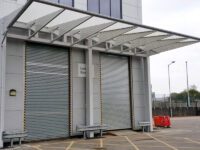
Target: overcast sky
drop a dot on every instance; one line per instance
(180, 16)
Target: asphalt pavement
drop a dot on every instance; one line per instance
(183, 135)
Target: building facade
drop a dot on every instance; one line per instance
(130, 10)
(117, 109)
(63, 67)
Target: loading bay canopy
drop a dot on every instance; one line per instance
(47, 22)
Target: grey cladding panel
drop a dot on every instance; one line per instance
(96, 88)
(47, 100)
(115, 92)
(78, 89)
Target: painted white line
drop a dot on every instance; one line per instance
(196, 142)
(170, 146)
(70, 145)
(135, 147)
(101, 143)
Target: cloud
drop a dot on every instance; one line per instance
(179, 16)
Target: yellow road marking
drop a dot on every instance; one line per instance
(34, 146)
(121, 145)
(192, 141)
(38, 147)
(131, 143)
(101, 142)
(170, 146)
(61, 142)
(16, 148)
(70, 145)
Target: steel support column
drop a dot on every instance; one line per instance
(89, 89)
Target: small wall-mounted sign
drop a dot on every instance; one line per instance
(81, 70)
(12, 92)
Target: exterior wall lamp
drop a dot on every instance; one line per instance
(12, 92)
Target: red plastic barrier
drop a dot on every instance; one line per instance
(162, 121)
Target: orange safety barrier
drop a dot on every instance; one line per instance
(162, 121)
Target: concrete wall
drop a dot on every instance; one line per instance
(14, 105)
(8, 6)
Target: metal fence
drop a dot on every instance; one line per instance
(161, 106)
(165, 104)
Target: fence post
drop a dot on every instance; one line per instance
(196, 108)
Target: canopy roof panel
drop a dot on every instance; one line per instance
(48, 22)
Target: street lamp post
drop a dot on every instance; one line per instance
(170, 98)
(188, 91)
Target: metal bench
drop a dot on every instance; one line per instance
(145, 125)
(86, 129)
(14, 135)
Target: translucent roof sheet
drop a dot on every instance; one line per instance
(94, 21)
(157, 34)
(35, 11)
(118, 25)
(59, 24)
(66, 16)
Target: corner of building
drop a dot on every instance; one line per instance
(2, 78)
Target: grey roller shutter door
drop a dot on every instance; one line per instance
(115, 92)
(46, 100)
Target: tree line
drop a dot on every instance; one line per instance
(183, 96)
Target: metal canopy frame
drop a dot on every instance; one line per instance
(67, 26)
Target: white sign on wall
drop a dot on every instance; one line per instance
(82, 70)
